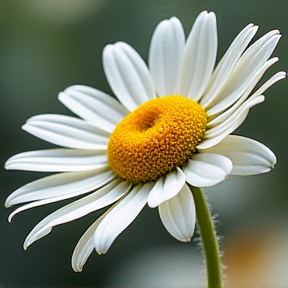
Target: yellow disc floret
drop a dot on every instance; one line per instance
(156, 137)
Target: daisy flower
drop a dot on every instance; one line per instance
(169, 127)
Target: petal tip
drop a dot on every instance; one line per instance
(6, 165)
(76, 268)
(28, 241)
(25, 126)
(152, 203)
(174, 18)
(254, 27)
(211, 15)
(101, 252)
(60, 96)
(188, 239)
(7, 203)
(10, 217)
(25, 245)
(108, 49)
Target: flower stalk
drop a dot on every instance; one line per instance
(209, 239)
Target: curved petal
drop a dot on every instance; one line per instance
(199, 56)
(46, 201)
(93, 105)
(218, 133)
(205, 170)
(127, 75)
(248, 156)
(120, 217)
(228, 62)
(178, 215)
(105, 196)
(166, 188)
(85, 246)
(228, 113)
(165, 56)
(63, 185)
(245, 70)
(67, 132)
(57, 160)
(275, 78)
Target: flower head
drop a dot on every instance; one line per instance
(171, 125)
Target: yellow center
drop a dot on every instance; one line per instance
(156, 137)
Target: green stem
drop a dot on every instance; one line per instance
(209, 239)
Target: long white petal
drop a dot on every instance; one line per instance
(178, 215)
(239, 98)
(199, 56)
(65, 185)
(275, 78)
(93, 105)
(85, 245)
(105, 196)
(120, 217)
(207, 169)
(243, 73)
(165, 56)
(228, 113)
(67, 132)
(127, 75)
(248, 156)
(57, 160)
(218, 133)
(228, 62)
(166, 188)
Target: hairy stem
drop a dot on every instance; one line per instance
(209, 239)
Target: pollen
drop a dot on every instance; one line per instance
(156, 137)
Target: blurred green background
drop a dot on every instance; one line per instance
(47, 45)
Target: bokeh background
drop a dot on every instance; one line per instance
(47, 45)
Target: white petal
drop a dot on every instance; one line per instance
(275, 78)
(243, 73)
(63, 185)
(165, 56)
(228, 113)
(127, 75)
(45, 202)
(85, 245)
(218, 133)
(120, 217)
(67, 131)
(166, 188)
(204, 170)
(93, 105)
(248, 156)
(178, 215)
(105, 196)
(199, 56)
(228, 62)
(57, 160)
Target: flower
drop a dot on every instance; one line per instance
(172, 125)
